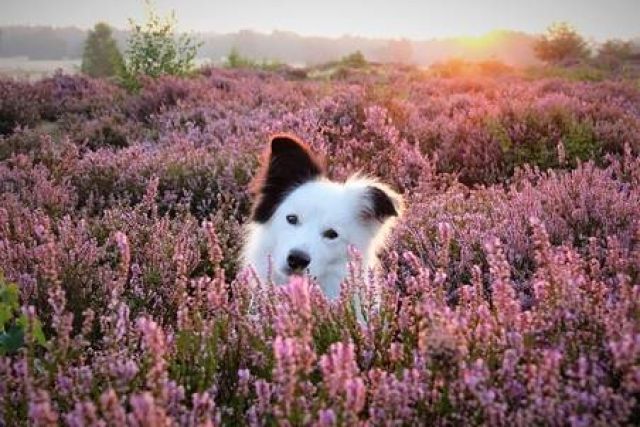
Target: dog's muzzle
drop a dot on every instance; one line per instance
(297, 261)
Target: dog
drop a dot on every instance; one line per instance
(303, 223)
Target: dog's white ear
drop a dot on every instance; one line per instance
(288, 163)
(381, 203)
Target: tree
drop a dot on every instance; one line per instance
(614, 53)
(154, 49)
(236, 60)
(101, 57)
(354, 60)
(561, 44)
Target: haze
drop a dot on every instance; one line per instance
(415, 19)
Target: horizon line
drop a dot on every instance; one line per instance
(330, 37)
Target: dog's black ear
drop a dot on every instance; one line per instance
(288, 164)
(381, 203)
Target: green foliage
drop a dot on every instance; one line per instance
(13, 325)
(581, 73)
(236, 60)
(154, 49)
(613, 54)
(101, 57)
(579, 143)
(561, 44)
(354, 60)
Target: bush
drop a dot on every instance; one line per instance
(354, 60)
(561, 45)
(19, 106)
(236, 60)
(101, 57)
(154, 49)
(614, 54)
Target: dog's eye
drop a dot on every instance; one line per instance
(330, 234)
(292, 219)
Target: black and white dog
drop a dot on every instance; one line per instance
(303, 223)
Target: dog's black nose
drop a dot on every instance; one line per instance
(298, 260)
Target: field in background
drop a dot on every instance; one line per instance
(25, 68)
(508, 294)
(33, 69)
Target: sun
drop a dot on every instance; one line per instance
(480, 42)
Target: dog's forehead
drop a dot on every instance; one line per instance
(322, 198)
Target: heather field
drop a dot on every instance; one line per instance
(510, 290)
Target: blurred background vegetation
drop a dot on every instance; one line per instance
(36, 51)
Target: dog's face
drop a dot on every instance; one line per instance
(306, 223)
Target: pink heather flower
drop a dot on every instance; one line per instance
(396, 352)
(338, 366)
(151, 193)
(326, 418)
(204, 411)
(153, 340)
(122, 322)
(213, 244)
(122, 371)
(88, 318)
(47, 254)
(503, 296)
(263, 393)
(294, 361)
(118, 284)
(84, 414)
(262, 406)
(111, 408)
(217, 292)
(356, 394)
(146, 413)
(244, 380)
(125, 254)
(41, 411)
(61, 320)
(340, 374)
(293, 313)
(445, 234)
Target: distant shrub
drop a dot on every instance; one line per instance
(109, 131)
(354, 60)
(614, 54)
(78, 95)
(19, 105)
(154, 49)
(21, 142)
(561, 45)
(236, 60)
(101, 57)
(157, 94)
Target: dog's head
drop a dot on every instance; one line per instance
(307, 221)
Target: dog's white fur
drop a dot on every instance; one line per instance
(320, 205)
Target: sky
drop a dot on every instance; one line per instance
(414, 19)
